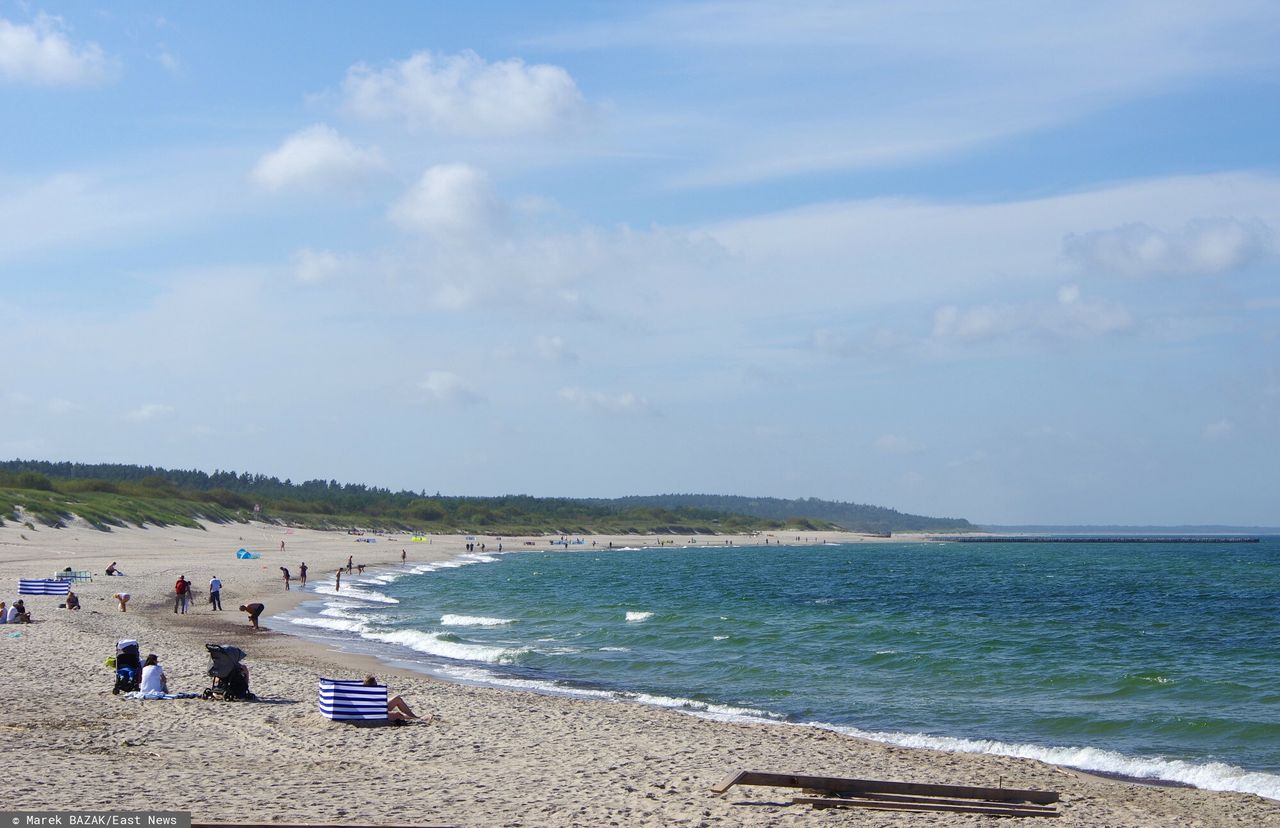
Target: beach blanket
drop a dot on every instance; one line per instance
(156, 695)
(43, 586)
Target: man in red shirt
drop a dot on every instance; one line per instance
(181, 589)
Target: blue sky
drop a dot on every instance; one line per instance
(1006, 261)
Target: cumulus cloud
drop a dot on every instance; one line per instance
(465, 94)
(448, 387)
(1069, 317)
(314, 159)
(449, 201)
(625, 402)
(41, 53)
(312, 266)
(148, 412)
(1201, 247)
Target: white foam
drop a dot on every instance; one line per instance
(435, 644)
(719, 637)
(473, 621)
(1213, 776)
(355, 592)
(615, 649)
(636, 617)
(340, 624)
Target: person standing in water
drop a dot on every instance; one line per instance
(302, 574)
(337, 582)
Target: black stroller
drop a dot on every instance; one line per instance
(230, 677)
(128, 667)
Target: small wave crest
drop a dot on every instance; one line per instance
(438, 644)
(473, 621)
(637, 617)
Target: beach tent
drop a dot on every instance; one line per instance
(350, 700)
(43, 586)
(245, 555)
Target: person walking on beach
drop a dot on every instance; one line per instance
(281, 546)
(215, 593)
(302, 574)
(402, 556)
(254, 611)
(285, 571)
(180, 595)
(349, 563)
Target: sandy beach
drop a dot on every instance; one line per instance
(487, 757)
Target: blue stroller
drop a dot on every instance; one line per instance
(128, 667)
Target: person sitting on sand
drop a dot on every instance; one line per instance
(111, 569)
(254, 611)
(19, 610)
(4, 613)
(73, 601)
(153, 678)
(397, 709)
(123, 598)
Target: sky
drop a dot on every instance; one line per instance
(1004, 261)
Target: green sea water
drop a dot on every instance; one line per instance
(1151, 660)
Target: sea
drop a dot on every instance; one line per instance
(1157, 661)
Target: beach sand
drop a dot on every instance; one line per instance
(488, 757)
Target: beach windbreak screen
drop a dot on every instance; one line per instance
(1138, 659)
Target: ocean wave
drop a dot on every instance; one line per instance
(438, 645)
(1212, 776)
(473, 621)
(636, 617)
(355, 592)
(339, 624)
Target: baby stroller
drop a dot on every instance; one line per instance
(128, 667)
(230, 677)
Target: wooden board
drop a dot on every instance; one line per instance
(970, 807)
(837, 785)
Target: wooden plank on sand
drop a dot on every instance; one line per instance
(971, 807)
(835, 785)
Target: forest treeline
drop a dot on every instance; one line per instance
(234, 495)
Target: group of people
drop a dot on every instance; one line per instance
(302, 575)
(14, 614)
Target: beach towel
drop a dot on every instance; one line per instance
(156, 695)
(343, 700)
(43, 586)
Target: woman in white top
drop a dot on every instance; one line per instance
(153, 680)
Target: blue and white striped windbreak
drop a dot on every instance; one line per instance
(346, 700)
(43, 586)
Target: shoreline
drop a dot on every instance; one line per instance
(492, 756)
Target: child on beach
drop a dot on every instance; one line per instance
(285, 572)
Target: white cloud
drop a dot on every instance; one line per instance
(312, 266)
(449, 201)
(893, 444)
(464, 94)
(149, 412)
(1219, 430)
(625, 402)
(553, 349)
(448, 387)
(1201, 247)
(315, 159)
(1069, 317)
(42, 54)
